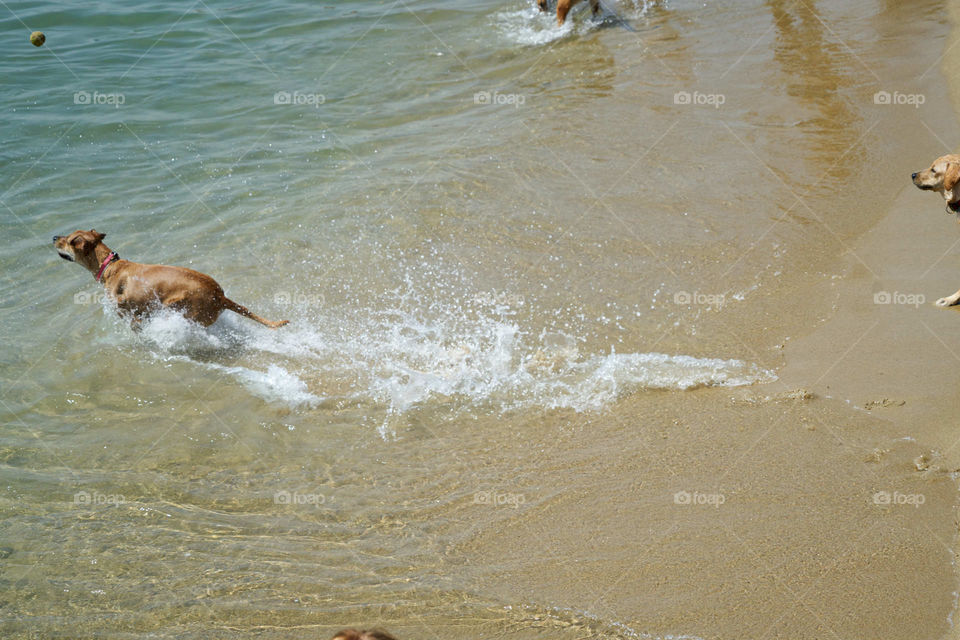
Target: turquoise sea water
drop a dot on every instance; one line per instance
(338, 165)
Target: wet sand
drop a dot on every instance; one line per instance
(795, 547)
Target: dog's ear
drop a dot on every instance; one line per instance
(80, 244)
(951, 176)
(100, 236)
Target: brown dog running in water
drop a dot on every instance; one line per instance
(139, 288)
(564, 6)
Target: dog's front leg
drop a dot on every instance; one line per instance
(949, 301)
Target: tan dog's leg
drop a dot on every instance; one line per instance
(563, 8)
(595, 7)
(949, 301)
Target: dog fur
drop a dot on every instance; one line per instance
(942, 177)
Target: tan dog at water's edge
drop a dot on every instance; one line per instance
(943, 176)
(138, 289)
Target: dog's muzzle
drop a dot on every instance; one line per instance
(65, 256)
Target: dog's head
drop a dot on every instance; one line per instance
(943, 177)
(79, 247)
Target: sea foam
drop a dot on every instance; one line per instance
(409, 355)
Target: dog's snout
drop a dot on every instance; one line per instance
(913, 176)
(55, 238)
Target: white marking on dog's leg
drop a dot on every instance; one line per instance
(949, 301)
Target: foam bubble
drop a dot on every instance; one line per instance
(599, 380)
(166, 332)
(276, 384)
(530, 26)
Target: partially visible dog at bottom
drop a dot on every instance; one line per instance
(138, 288)
(943, 176)
(564, 6)
(372, 634)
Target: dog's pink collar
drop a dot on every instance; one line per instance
(103, 265)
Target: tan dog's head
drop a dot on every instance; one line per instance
(942, 177)
(80, 247)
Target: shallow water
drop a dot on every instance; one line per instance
(514, 257)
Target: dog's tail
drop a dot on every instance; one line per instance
(242, 310)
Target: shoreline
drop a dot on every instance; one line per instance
(861, 407)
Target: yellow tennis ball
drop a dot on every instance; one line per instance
(37, 38)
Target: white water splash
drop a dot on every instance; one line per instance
(412, 355)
